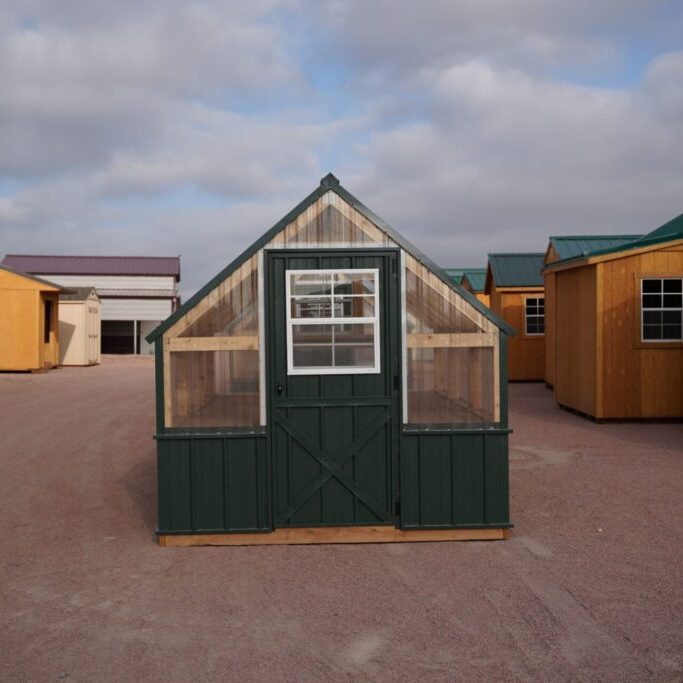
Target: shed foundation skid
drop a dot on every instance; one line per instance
(332, 385)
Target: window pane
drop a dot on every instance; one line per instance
(651, 332)
(354, 283)
(311, 284)
(312, 356)
(672, 332)
(652, 301)
(354, 306)
(311, 308)
(672, 300)
(673, 286)
(311, 334)
(652, 317)
(355, 355)
(652, 286)
(356, 333)
(671, 317)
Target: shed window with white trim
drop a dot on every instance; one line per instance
(662, 309)
(534, 316)
(332, 322)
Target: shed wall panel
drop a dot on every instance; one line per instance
(576, 339)
(639, 380)
(526, 354)
(550, 311)
(19, 340)
(451, 480)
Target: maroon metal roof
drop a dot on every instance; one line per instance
(94, 265)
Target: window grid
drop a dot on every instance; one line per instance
(336, 322)
(661, 309)
(534, 316)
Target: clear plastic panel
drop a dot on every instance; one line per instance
(231, 310)
(452, 386)
(448, 383)
(215, 389)
(330, 221)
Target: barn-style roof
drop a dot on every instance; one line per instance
(328, 184)
(669, 232)
(516, 270)
(579, 245)
(94, 265)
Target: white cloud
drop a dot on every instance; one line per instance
(171, 127)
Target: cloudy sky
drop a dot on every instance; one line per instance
(172, 127)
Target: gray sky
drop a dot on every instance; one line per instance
(190, 128)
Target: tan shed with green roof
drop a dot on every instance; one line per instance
(614, 323)
(515, 286)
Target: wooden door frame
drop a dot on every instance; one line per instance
(391, 320)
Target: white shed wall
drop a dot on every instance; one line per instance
(115, 281)
(136, 309)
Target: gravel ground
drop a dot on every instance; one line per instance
(587, 588)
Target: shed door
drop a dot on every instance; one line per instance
(333, 368)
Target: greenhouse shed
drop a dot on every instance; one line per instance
(331, 385)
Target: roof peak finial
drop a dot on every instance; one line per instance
(329, 180)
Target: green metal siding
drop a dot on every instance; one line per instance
(451, 480)
(333, 436)
(213, 484)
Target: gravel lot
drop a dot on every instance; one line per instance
(587, 588)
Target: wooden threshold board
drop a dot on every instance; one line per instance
(339, 534)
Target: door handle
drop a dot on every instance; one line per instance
(279, 388)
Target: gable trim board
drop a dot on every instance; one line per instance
(328, 184)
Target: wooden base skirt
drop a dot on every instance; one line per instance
(339, 534)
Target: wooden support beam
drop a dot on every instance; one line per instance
(345, 534)
(451, 340)
(213, 344)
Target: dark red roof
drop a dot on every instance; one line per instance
(94, 265)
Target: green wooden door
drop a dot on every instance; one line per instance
(333, 387)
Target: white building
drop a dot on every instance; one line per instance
(137, 292)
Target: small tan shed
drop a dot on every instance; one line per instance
(79, 327)
(28, 322)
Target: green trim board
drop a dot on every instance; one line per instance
(328, 183)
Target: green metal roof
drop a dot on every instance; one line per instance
(477, 278)
(328, 183)
(579, 245)
(455, 274)
(517, 270)
(670, 231)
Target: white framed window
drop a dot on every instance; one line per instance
(661, 316)
(333, 321)
(534, 316)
